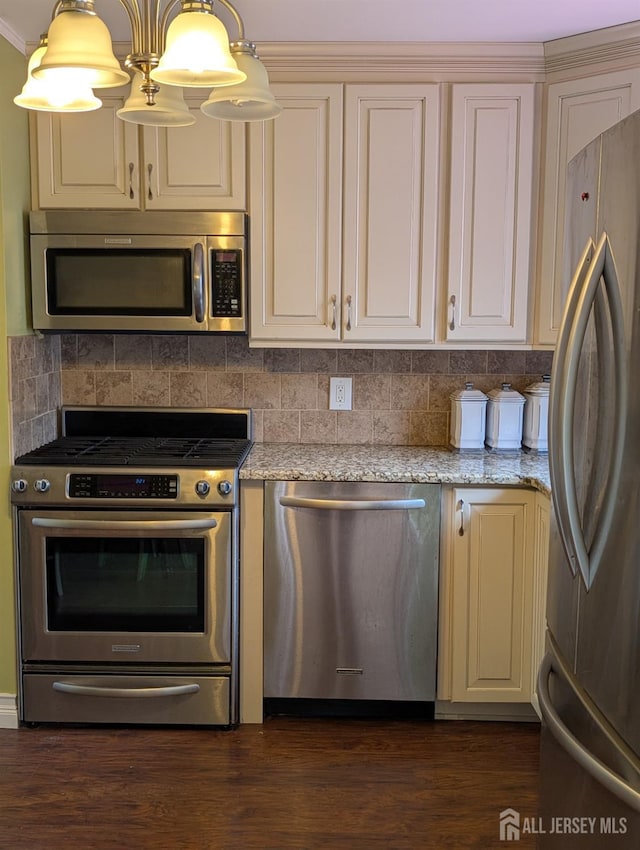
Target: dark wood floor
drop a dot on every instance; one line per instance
(292, 783)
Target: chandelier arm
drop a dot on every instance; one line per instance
(162, 22)
(236, 16)
(133, 13)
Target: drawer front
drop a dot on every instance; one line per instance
(115, 699)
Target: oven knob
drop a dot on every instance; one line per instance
(224, 488)
(42, 485)
(202, 488)
(19, 485)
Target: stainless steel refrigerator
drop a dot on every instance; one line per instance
(589, 682)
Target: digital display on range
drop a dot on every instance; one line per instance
(123, 486)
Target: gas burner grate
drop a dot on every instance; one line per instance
(146, 451)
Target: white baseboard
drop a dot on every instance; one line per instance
(8, 711)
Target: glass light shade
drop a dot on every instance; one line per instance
(170, 110)
(81, 43)
(249, 101)
(197, 53)
(50, 96)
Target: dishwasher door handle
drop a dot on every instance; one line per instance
(352, 504)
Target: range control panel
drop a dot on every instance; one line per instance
(112, 486)
(226, 283)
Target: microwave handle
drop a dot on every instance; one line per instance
(198, 281)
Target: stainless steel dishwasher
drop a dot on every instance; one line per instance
(351, 590)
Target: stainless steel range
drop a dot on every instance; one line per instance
(127, 541)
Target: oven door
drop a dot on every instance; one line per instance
(125, 587)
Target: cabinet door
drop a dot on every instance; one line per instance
(295, 203)
(490, 212)
(392, 135)
(200, 167)
(491, 595)
(87, 159)
(577, 111)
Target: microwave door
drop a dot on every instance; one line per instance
(119, 283)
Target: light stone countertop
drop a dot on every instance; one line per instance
(302, 462)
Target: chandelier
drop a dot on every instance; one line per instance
(190, 49)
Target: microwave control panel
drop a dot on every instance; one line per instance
(226, 283)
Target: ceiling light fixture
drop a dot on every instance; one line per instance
(59, 95)
(197, 54)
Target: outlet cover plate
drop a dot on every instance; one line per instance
(340, 393)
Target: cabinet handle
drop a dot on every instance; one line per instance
(149, 170)
(452, 322)
(348, 312)
(333, 312)
(131, 192)
(461, 509)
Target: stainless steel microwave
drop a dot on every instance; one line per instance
(139, 271)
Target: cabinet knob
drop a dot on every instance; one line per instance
(131, 192)
(452, 322)
(348, 312)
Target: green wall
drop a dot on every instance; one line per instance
(14, 206)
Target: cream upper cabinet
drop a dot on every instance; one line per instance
(487, 603)
(295, 208)
(492, 150)
(96, 160)
(390, 212)
(343, 242)
(577, 111)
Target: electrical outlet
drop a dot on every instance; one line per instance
(340, 393)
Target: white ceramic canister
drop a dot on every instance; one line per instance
(468, 418)
(536, 415)
(504, 418)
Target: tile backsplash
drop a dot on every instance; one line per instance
(399, 397)
(34, 390)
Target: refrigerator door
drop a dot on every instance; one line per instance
(608, 643)
(593, 606)
(563, 586)
(589, 779)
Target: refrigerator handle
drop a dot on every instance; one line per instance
(613, 293)
(557, 392)
(593, 766)
(602, 267)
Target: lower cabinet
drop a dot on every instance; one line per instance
(488, 596)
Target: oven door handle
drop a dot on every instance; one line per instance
(125, 525)
(127, 693)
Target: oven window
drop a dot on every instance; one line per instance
(124, 584)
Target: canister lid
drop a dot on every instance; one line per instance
(468, 394)
(506, 395)
(540, 387)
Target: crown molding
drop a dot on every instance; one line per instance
(12, 37)
(614, 48)
(435, 60)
